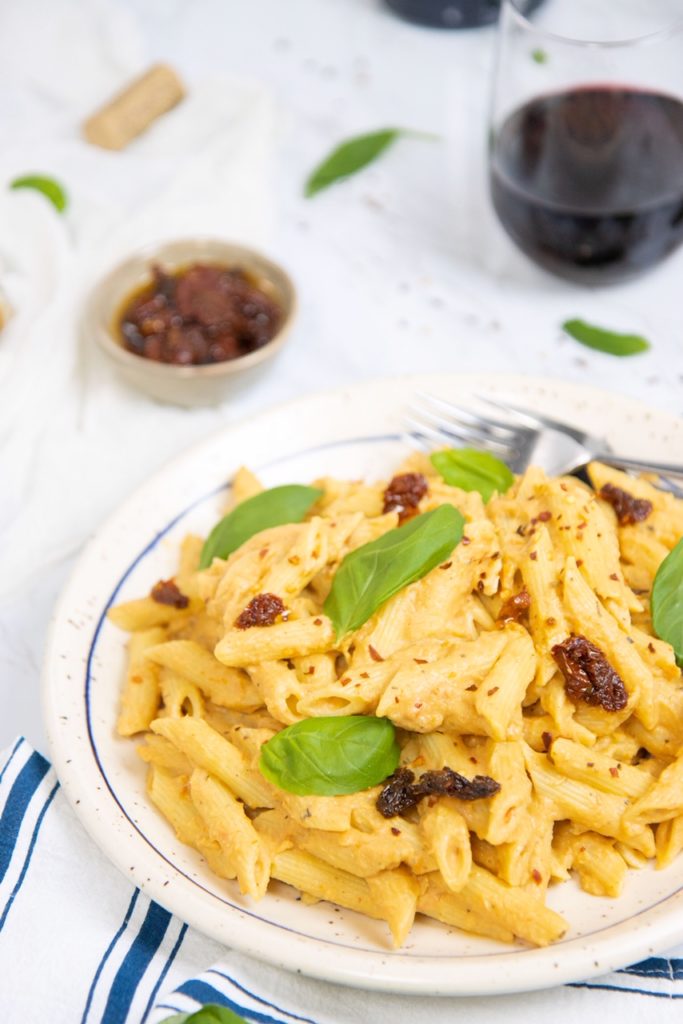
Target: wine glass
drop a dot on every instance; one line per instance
(586, 158)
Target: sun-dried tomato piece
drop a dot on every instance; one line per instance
(398, 794)
(262, 610)
(402, 792)
(167, 592)
(629, 510)
(588, 674)
(404, 493)
(515, 608)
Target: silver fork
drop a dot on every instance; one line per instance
(523, 438)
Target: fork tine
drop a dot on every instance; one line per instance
(536, 419)
(525, 416)
(446, 435)
(494, 428)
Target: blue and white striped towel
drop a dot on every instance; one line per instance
(80, 945)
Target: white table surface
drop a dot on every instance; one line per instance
(402, 269)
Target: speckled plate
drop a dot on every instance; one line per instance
(348, 433)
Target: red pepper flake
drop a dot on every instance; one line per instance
(465, 540)
(404, 493)
(310, 671)
(547, 739)
(537, 876)
(446, 565)
(365, 675)
(474, 760)
(563, 487)
(514, 609)
(579, 561)
(588, 674)
(417, 705)
(494, 689)
(614, 576)
(345, 681)
(521, 531)
(480, 586)
(317, 622)
(614, 772)
(375, 655)
(551, 621)
(167, 592)
(262, 610)
(395, 831)
(590, 764)
(263, 552)
(544, 516)
(533, 555)
(628, 509)
(651, 647)
(420, 661)
(472, 688)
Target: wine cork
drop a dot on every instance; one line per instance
(129, 113)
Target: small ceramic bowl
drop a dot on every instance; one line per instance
(185, 385)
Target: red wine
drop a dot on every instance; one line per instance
(589, 182)
(454, 13)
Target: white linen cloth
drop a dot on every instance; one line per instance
(80, 945)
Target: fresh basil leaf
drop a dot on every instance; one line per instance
(286, 504)
(354, 154)
(373, 573)
(209, 1014)
(666, 603)
(331, 756)
(605, 341)
(539, 56)
(50, 188)
(471, 470)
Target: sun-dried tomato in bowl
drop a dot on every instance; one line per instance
(197, 315)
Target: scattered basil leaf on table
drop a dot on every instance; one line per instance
(370, 575)
(275, 507)
(353, 155)
(210, 1014)
(331, 756)
(539, 56)
(605, 341)
(666, 603)
(472, 470)
(50, 188)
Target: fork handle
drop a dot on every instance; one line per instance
(666, 469)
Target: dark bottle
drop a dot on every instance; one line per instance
(454, 13)
(589, 182)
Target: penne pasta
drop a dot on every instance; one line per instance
(531, 721)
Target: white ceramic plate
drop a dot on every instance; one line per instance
(349, 434)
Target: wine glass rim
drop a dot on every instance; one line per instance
(645, 39)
